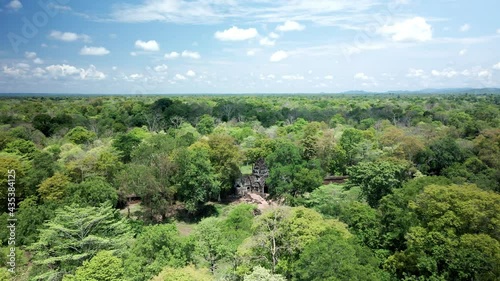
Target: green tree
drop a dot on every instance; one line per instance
(206, 125)
(210, 242)
(93, 191)
(74, 235)
(126, 143)
(377, 179)
(261, 274)
(80, 135)
(188, 273)
(54, 188)
(156, 246)
(104, 266)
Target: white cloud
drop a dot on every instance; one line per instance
(498, 31)
(114, 68)
(68, 36)
(14, 5)
(278, 56)
(448, 73)
(161, 68)
(38, 61)
(251, 53)
(30, 55)
(91, 74)
(134, 76)
(171, 55)
(273, 35)
(497, 66)
(236, 34)
(412, 72)
(361, 76)
(179, 77)
(43, 45)
(38, 72)
(329, 77)
(18, 70)
(290, 25)
(411, 30)
(266, 42)
(133, 54)
(484, 74)
(462, 52)
(64, 70)
(190, 54)
(94, 51)
(292, 77)
(465, 28)
(149, 46)
(190, 73)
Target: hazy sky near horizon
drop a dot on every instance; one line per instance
(237, 46)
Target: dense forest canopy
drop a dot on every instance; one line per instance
(142, 187)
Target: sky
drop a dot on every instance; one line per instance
(240, 46)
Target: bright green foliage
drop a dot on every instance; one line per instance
(226, 159)
(156, 247)
(280, 235)
(75, 235)
(396, 216)
(362, 221)
(8, 162)
(21, 147)
(80, 135)
(93, 191)
(210, 242)
(332, 257)
(196, 176)
(458, 236)
(349, 142)
(188, 273)
(54, 188)
(290, 174)
(104, 266)
(377, 179)
(261, 274)
(206, 124)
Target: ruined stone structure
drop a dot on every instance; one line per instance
(256, 182)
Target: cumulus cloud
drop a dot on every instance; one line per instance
(266, 42)
(236, 34)
(30, 55)
(171, 55)
(329, 77)
(290, 25)
(14, 5)
(190, 73)
(278, 56)
(448, 73)
(179, 77)
(462, 52)
(465, 28)
(362, 76)
(64, 70)
(17, 70)
(412, 72)
(68, 36)
(273, 35)
(94, 51)
(190, 54)
(411, 30)
(251, 53)
(497, 66)
(149, 46)
(38, 61)
(484, 74)
(161, 68)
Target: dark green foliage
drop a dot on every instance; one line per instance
(93, 191)
(377, 179)
(126, 144)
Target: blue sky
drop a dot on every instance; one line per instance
(236, 46)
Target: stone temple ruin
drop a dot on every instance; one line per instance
(254, 183)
